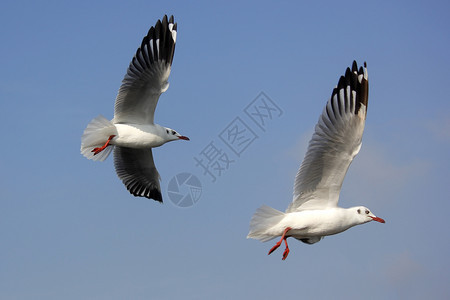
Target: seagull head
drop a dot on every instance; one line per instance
(172, 135)
(364, 215)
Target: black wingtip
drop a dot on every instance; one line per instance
(150, 33)
(360, 86)
(155, 195)
(348, 74)
(343, 80)
(354, 66)
(158, 46)
(158, 28)
(162, 31)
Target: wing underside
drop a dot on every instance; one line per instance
(136, 169)
(334, 144)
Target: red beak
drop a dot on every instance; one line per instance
(378, 219)
(183, 138)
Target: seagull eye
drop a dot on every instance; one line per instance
(173, 132)
(367, 212)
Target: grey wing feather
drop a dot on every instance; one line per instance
(147, 75)
(334, 144)
(136, 169)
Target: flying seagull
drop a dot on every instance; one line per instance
(132, 132)
(313, 212)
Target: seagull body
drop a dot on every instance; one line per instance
(132, 132)
(140, 136)
(313, 212)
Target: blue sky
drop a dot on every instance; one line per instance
(70, 230)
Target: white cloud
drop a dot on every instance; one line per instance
(402, 269)
(298, 150)
(378, 177)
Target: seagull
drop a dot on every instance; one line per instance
(313, 212)
(132, 132)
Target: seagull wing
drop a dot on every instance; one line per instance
(334, 144)
(136, 169)
(147, 76)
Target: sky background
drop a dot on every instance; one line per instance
(70, 230)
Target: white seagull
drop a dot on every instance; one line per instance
(132, 132)
(313, 212)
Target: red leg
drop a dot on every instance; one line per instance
(100, 149)
(275, 247)
(283, 238)
(286, 251)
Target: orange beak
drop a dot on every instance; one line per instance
(378, 219)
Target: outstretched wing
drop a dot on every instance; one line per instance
(334, 144)
(136, 169)
(147, 76)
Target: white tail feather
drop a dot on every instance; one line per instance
(264, 219)
(95, 135)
